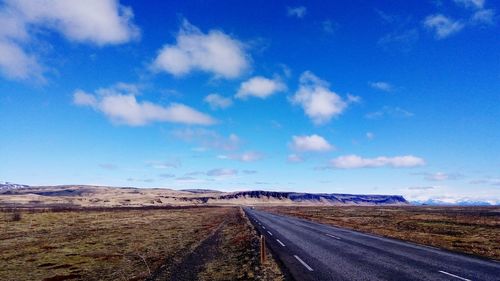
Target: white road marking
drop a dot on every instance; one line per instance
(303, 263)
(269, 233)
(333, 236)
(281, 243)
(263, 227)
(453, 275)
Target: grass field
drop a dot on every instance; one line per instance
(122, 244)
(472, 230)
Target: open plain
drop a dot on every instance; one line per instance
(129, 244)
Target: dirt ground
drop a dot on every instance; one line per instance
(471, 230)
(125, 244)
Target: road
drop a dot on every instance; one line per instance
(313, 251)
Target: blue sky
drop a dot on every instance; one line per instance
(320, 96)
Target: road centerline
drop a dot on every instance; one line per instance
(281, 243)
(453, 275)
(332, 236)
(303, 263)
(269, 233)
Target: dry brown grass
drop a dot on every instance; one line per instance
(100, 245)
(472, 230)
(238, 257)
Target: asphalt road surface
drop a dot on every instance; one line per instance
(313, 251)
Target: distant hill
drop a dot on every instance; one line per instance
(105, 196)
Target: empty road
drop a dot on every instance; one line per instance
(313, 251)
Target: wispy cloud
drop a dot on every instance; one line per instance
(487, 181)
(370, 135)
(382, 86)
(355, 161)
(166, 175)
(208, 139)
(140, 180)
(443, 26)
(249, 156)
(387, 111)
(329, 26)
(475, 4)
(173, 163)
(438, 176)
(483, 17)
(298, 12)
(421, 187)
(217, 101)
(402, 39)
(108, 166)
(294, 158)
(222, 172)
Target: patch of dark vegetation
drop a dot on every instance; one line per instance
(76, 208)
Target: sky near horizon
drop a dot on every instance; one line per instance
(389, 97)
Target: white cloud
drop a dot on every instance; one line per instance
(294, 158)
(249, 156)
(260, 87)
(98, 22)
(485, 17)
(222, 172)
(475, 4)
(318, 102)
(298, 12)
(208, 139)
(382, 86)
(214, 52)
(310, 143)
(370, 135)
(122, 107)
(217, 101)
(442, 26)
(355, 161)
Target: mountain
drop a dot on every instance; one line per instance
(9, 186)
(436, 202)
(105, 196)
